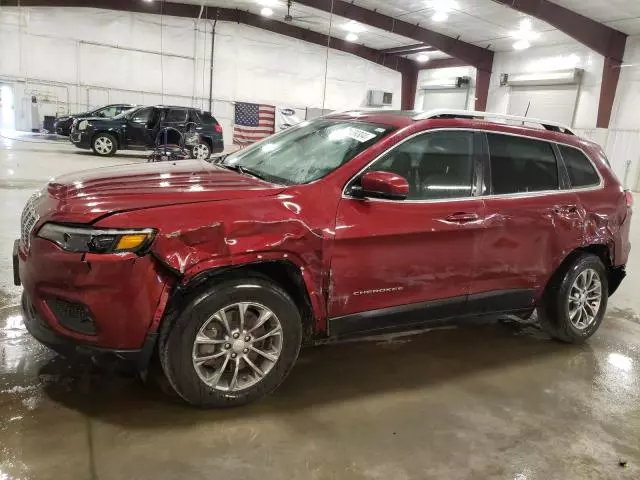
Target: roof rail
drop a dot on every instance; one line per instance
(447, 113)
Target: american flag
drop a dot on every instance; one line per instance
(253, 122)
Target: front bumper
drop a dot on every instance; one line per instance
(102, 302)
(42, 332)
(80, 139)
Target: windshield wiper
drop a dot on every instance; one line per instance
(243, 170)
(220, 159)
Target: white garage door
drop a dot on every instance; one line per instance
(550, 102)
(454, 98)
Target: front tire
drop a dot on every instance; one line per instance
(104, 144)
(201, 151)
(233, 344)
(575, 300)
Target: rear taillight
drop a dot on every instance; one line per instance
(217, 127)
(628, 197)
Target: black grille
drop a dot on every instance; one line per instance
(73, 316)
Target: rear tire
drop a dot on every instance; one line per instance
(236, 373)
(104, 144)
(574, 302)
(202, 151)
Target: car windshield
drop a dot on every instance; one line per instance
(127, 113)
(307, 151)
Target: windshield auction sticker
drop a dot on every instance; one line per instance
(360, 135)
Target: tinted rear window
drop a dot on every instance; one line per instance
(580, 169)
(521, 165)
(194, 116)
(207, 117)
(176, 115)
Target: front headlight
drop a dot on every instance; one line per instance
(95, 240)
(83, 125)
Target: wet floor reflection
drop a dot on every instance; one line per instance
(489, 379)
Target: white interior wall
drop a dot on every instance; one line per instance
(556, 57)
(444, 74)
(73, 58)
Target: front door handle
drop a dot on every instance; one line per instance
(462, 217)
(565, 209)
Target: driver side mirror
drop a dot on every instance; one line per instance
(387, 185)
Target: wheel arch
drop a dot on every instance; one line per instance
(283, 273)
(604, 253)
(113, 133)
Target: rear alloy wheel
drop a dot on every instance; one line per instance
(104, 144)
(201, 151)
(233, 344)
(574, 302)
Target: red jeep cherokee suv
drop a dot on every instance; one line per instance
(355, 222)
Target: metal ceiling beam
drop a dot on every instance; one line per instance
(420, 47)
(230, 15)
(600, 38)
(443, 63)
(471, 54)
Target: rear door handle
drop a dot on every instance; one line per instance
(462, 217)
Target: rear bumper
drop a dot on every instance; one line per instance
(217, 146)
(616, 275)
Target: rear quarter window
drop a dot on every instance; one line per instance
(580, 169)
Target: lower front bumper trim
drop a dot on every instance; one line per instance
(67, 347)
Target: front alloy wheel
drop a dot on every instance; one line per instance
(231, 344)
(104, 145)
(237, 346)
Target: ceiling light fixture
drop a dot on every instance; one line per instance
(440, 16)
(353, 27)
(266, 12)
(422, 58)
(352, 37)
(441, 9)
(524, 35)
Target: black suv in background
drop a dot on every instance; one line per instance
(137, 129)
(62, 125)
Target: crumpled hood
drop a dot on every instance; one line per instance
(84, 196)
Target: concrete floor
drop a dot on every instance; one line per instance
(497, 400)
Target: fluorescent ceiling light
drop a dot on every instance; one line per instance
(353, 27)
(422, 58)
(521, 45)
(525, 24)
(440, 16)
(266, 12)
(352, 37)
(525, 32)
